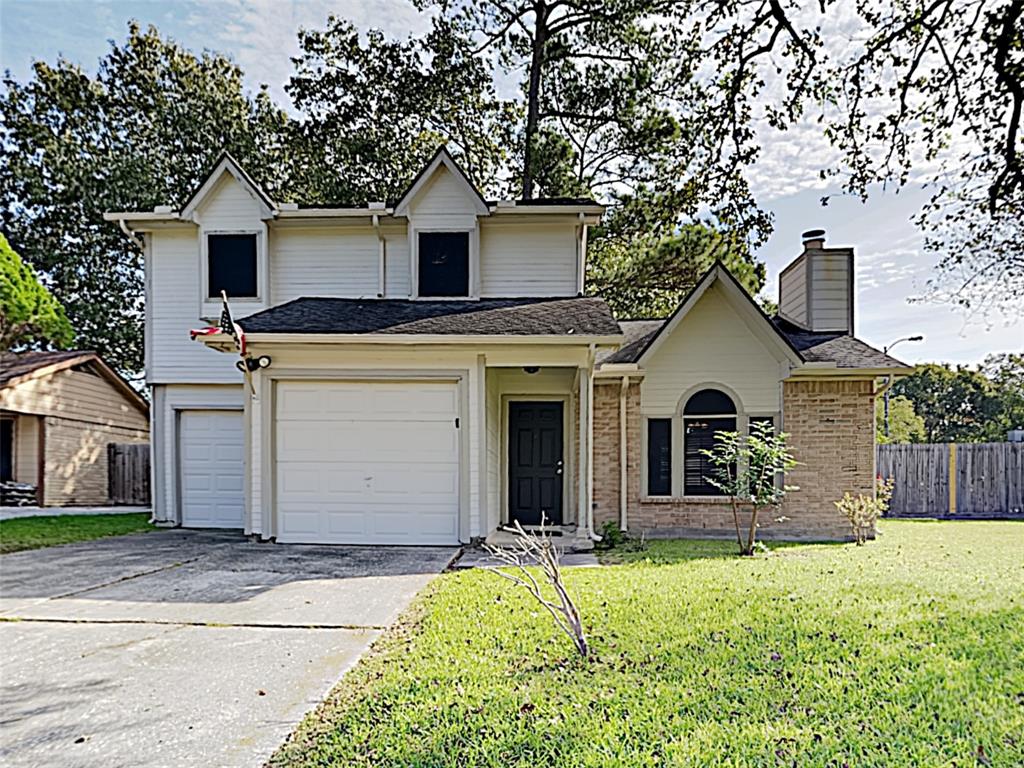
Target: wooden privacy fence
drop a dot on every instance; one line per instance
(128, 473)
(954, 479)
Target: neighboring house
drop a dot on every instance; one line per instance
(58, 413)
(436, 372)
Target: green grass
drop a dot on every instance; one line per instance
(50, 530)
(908, 651)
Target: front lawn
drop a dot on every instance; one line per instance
(906, 652)
(50, 530)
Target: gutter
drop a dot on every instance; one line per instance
(382, 254)
(131, 235)
(591, 357)
(623, 506)
(412, 338)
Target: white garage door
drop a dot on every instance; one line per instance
(212, 447)
(367, 462)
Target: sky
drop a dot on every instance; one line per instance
(260, 35)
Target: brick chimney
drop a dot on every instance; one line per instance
(816, 289)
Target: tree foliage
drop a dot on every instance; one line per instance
(137, 134)
(29, 315)
(905, 425)
(748, 469)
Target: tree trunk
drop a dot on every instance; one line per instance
(736, 522)
(540, 39)
(753, 531)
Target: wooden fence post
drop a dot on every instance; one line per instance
(952, 479)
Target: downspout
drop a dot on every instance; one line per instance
(623, 522)
(131, 235)
(382, 258)
(582, 276)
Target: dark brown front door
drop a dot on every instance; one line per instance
(535, 462)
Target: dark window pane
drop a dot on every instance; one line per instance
(6, 449)
(232, 261)
(444, 264)
(697, 468)
(659, 457)
(709, 402)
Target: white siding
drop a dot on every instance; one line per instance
(830, 291)
(527, 259)
(174, 308)
(229, 206)
(711, 345)
(793, 292)
(397, 282)
(323, 262)
(443, 202)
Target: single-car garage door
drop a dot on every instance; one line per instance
(212, 491)
(367, 462)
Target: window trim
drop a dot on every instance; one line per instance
(473, 255)
(209, 307)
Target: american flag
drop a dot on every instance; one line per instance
(227, 325)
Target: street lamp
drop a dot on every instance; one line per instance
(888, 382)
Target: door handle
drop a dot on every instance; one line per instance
(559, 463)
(558, 471)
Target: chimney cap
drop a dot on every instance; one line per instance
(813, 234)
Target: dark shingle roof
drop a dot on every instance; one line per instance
(487, 317)
(14, 365)
(637, 334)
(844, 350)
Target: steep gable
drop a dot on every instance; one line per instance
(442, 188)
(230, 192)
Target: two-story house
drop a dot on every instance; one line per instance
(436, 372)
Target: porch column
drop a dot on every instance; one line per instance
(585, 485)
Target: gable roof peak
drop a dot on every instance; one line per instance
(441, 157)
(226, 163)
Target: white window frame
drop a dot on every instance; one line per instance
(210, 306)
(473, 281)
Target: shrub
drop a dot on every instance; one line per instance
(863, 511)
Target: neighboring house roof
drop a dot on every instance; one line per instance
(579, 316)
(441, 157)
(18, 367)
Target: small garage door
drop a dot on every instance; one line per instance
(367, 462)
(212, 448)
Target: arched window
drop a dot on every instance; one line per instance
(705, 413)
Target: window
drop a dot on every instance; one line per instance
(232, 266)
(444, 264)
(705, 413)
(659, 457)
(6, 449)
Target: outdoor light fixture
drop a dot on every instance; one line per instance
(888, 383)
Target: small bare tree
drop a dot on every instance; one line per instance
(537, 549)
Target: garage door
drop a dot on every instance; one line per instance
(367, 462)
(212, 447)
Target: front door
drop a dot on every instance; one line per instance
(535, 462)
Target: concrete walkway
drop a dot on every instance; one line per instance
(182, 648)
(12, 513)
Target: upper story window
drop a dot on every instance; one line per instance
(443, 264)
(705, 413)
(231, 261)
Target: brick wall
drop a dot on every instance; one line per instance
(831, 426)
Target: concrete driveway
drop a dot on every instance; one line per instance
(184, 647)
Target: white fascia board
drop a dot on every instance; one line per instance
(831, 371)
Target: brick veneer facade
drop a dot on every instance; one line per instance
(831, 426)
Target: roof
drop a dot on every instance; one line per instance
(17, 367)
(844, 350)
(742, 303)
(637, 334)
(576, 316)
